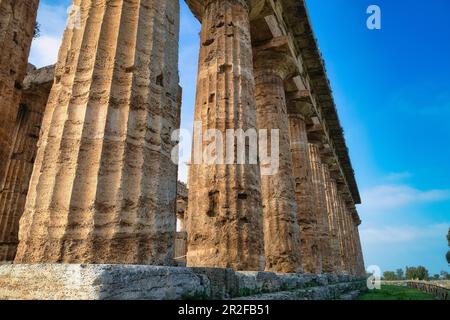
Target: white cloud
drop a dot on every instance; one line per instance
(45, 51)
(403, 234)
(52, 21)
(398, 176)
(393, 196)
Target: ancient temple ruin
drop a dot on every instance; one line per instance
(104, 189)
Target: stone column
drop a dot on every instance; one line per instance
(281, 229)
(304, 195)
(103, 189)
(347, 236)
(34, 98)
(351, 242)
(337, 225)
(332, 223)
(342, 232)
(17, 21)
(225, 222)
(361, 265)
(320, 207)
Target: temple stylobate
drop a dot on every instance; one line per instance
(103, 189)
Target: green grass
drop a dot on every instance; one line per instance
(396, 293)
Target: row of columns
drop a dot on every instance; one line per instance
(103, 188)
(238, 217)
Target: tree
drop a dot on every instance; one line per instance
(37, 30)
(400, 274)
(435, 277)
(389, 275)
(419, 273)
(445, 275)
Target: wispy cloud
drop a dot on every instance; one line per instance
(404, 234)
(398, 176)
(391, 196)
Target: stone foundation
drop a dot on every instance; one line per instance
(124, 282)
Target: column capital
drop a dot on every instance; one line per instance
(273, 62)
(198, 7)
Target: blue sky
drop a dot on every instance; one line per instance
(392, 90)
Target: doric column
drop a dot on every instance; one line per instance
(320, 207)
(347, 236)
(332, 220)
(225, 222)
(34, 98)
(351, 242)
(361, 265)
(342, 232)
(17, 21)
(103, 189)
(337, 225)
(304, 194)
(281, 229)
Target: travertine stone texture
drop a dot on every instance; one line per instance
(225, 215)
(36, 89)
(332, 223)
(304, 195)
(17, 20)
(103, 189)
(281, 229)
(320, 207)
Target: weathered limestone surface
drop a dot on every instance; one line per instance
(320, 206)
(330, 192)
(114, 282)
(182, 204)
(361, 264)
(345, 250)
(225, 216)
(304, 194)
(36, 89)
(17, 20)
(281, 228)
(103, 189)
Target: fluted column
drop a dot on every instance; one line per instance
(351, 243)
(225, 222)
(304, 195)
(34, 97)
(336, 218)
(281, 229)
(361, 266)
(332, 223)
(320, 207)
(103, 189)
(342, 232)
(17, 20)
(353, 240)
